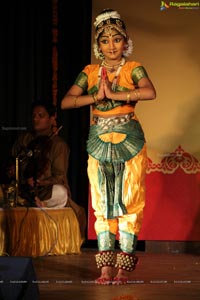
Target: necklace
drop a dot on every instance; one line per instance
(114, 83)
(111, 68)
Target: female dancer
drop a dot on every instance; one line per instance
(116, 144)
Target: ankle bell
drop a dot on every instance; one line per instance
(105, 258)
(126, 261)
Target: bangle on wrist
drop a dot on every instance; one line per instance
(75, 101)
(137, 95)
(95, 99)
(128, 96)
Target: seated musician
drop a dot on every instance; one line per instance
(43, 158)
(43, 161)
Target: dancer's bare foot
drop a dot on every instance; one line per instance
(39, 203)
(122, 277)
(106, 276)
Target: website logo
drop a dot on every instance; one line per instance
(179, 5)
(164, 5)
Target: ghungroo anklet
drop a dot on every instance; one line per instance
(126, 261)
(105, 258)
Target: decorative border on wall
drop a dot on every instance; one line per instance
(174, 160)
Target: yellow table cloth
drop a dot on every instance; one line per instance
(3, 240)
(40, 232)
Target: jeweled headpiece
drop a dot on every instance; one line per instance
(106, 20)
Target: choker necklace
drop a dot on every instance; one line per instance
(111, 68)
(114, 83)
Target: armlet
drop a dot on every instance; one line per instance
(138, 73)
(82, 81)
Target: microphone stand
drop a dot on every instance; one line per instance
(16, 181)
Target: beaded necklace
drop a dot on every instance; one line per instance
(110, 68)
(114, 83)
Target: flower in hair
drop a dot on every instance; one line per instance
(128, 51)
(98, 54)
(105, 16)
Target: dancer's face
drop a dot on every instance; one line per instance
(112, 44)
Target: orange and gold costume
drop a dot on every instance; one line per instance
(117, 160)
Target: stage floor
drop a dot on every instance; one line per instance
(167, 276)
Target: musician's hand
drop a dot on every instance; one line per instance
(40, 203)
(41, 182)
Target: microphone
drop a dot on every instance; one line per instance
(24, 153)
(29, 153)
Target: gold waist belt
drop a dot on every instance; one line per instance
(107, 123)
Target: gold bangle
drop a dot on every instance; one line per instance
(75, 101)
(128, 96)
(95, 99)
(137, 95)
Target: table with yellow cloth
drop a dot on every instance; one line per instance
(36, 232)
(2, 232)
